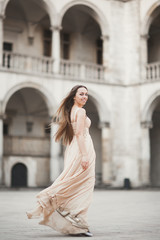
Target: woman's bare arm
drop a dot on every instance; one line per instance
(81, 116)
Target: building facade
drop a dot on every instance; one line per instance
(112, 47)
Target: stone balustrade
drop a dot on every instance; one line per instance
(70, 68)
(94, 71)
(153, 71)
(26, 63)
(81, 70)
(45, 65)
(24, 146)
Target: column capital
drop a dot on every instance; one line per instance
(1, 112)
(56, 27)
(145, 36)
(103, 125)
(147, 124)
(105, 37)
(2, 16)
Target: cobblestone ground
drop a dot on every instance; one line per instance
(113, 215)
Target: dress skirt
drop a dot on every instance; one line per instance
(63, 206)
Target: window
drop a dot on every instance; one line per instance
(99, 44)
(5, 129)
(47, 37)
(65, 45)
(47, 129)
(7, 47)
(29, 126)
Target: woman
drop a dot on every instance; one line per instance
(64, 204)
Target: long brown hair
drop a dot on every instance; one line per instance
(62, 117)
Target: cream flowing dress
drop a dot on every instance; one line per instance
(64, 205)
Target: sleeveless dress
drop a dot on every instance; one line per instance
(64, 205)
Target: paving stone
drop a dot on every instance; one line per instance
(113, 215)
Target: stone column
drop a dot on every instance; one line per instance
(1, 149)
(145, 154)
(56, 48)
(55, 155)
(106, 153)
(143, 56)
(1, 39)
(105, 39)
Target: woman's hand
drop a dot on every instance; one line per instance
(85, 162)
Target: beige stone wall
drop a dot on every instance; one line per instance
(37, 170)
(43, 172)
(124, 101)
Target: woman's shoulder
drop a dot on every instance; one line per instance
(81, 111)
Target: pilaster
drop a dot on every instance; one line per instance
(145, 153)
(55, 152)
(1, 148)
(56, 48)
(144, 56)
(1, 38)
(105, 39)
(106, 153)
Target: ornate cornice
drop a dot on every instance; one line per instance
(103, 125)
(105, 37)
(2, 17)
(145, 36)
(56, 27)
(147, 124)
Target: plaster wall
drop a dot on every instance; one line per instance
(146, 8)
(16, 32)
(121, 101)
(36, 176)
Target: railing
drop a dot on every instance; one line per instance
(24, 146)
(27, 63)
(94, 71)
(70, 68)
(81, 70)
(153, 71)
(45, 65)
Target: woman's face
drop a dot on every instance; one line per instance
(81, 97)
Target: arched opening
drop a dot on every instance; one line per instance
(154, 37)
(19, 175)
(26, 33)
(95, 132)
(26, 132)
(154, 146)
(81, 39)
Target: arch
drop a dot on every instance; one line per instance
(97, 14)
(150, 106)
(48, 5)
(28, 162)
(19, 175)
(49, 100)
(102, 108)
(149, 17)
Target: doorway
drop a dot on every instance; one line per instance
(19, 175)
